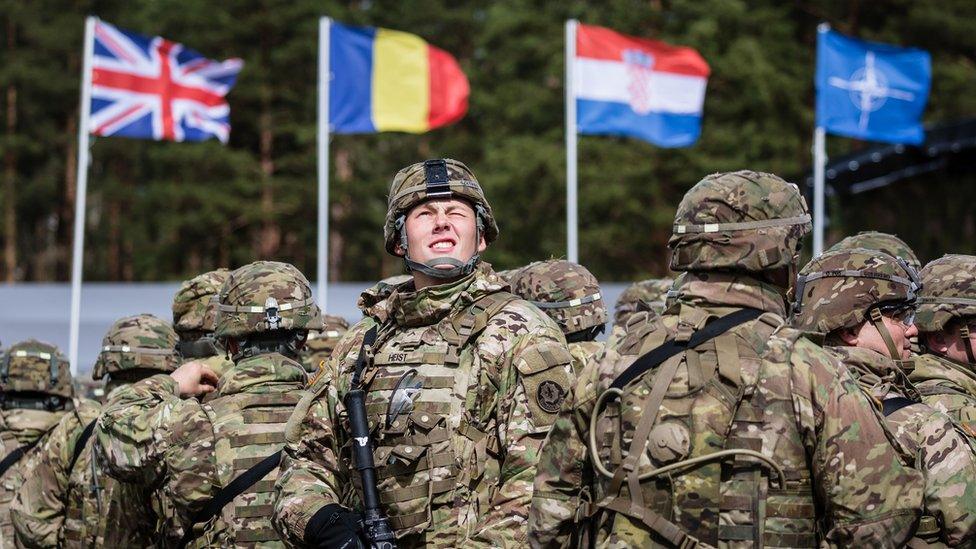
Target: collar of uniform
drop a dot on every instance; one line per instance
(931, 367)
(883, 368)
(260, 370)
(429, 305)
(29, 425)
(702, 289)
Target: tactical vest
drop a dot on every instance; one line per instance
(582, 352)
(716, 399)
(435, 455)
(248, 427)
(13, 479)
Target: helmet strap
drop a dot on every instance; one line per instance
(878, 321)
(457, 269)
(964, 333)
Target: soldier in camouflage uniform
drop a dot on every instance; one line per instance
(882, 242)
(863, 302)
(715, 425)
(570, 295)
(150, 436)
(68, 501)
(945, 372)
(645, 295)
(35, 393)
(463, 381)
(194, 314)
(320, 343)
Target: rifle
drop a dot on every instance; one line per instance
(376, 527)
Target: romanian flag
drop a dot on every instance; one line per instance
(385, 80)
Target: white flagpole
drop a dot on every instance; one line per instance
(322, 260)
(819, 160)
(81, 190)
(572, 251)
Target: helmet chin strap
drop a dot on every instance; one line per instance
(967, 343)
(879, 325)
(434, 267)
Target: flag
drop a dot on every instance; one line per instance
(639, 88)
(151, 88)
(869, 90)
(386, 80)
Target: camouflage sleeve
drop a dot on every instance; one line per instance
(311, 474)
(38, 512)
(530, 399)
(128, 433)
(188, 447)
(564, 470)
(870, 498)
(950, 468)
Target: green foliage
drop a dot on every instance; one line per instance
(166, 211)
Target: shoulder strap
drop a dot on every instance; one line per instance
(80, 445)
(227, 494)
(892, 405)
(475, 317)
(672, 347)
(13, 457)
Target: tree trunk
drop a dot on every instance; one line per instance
(270, 232)
(10, 174)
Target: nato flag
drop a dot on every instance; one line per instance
(871, 91)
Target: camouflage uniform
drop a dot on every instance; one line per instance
(68, 501)
(194, 314)
(840, 290)
(488, 370)
(26, 420)
(321, 342)
(149, 436)
(570, 295)
(787, 449)
(948, 295)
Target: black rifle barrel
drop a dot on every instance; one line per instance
(375, 524)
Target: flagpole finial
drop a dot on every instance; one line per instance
(823, 27)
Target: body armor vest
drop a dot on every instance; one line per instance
(947, 386)
(248, 427)
(38, 424)
(718, 403)
(431, 408)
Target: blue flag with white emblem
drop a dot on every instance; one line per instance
(869, 90)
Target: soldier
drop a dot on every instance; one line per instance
(713, 424)
(645, 295)
(945, 372)
(863, 301)
(68, 501)
(35, 393)
(570, 295)
(463, 381)
(217, 460)
(883, 242)
(321, 342)
(194, 314)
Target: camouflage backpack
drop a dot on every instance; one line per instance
(949, 294)
(568, 293)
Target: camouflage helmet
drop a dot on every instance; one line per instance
(140, 342)
(651, 292)
(423, 181)
(264, 296)
(948, 292)
(33, 366)
(745, 221)
(565, 291)
(508, 275)
(884, 242)
(320, 343)
(195, 303)
(842, 288)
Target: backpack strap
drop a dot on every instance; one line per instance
(80, 445)
(227, 494)
(470, 322)
(13, 457)
(892, 405)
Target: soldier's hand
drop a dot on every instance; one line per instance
(195, 379)
(334, 527)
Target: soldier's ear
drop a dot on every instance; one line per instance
(937, 342)
(482, 245)
(849, 336)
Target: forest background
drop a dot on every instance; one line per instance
(167, 211)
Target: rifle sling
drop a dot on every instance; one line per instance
(80, 445)
(13, 457)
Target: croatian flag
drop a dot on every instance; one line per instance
(386, 80)
(639, 88)
(151, 88)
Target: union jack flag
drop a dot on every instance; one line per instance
(151, 88)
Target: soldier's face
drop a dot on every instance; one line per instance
(868, 337)
(443, 228)
(950, 343)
